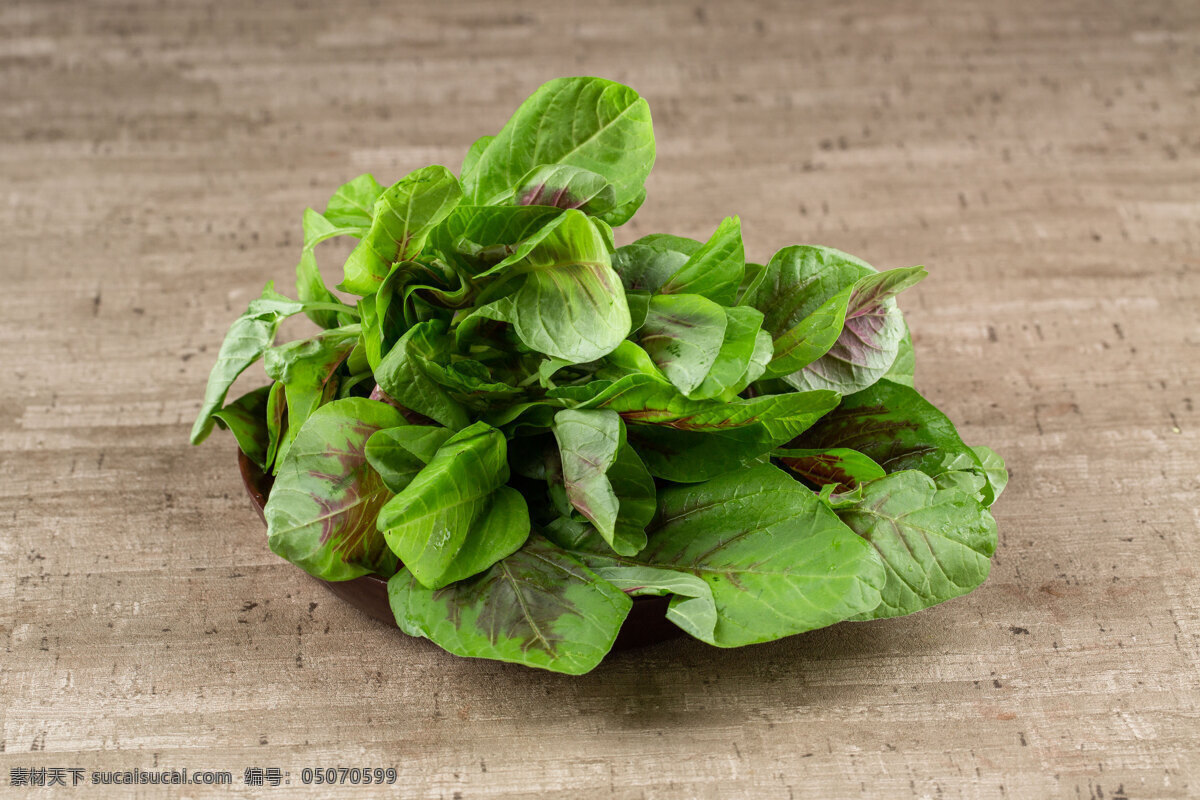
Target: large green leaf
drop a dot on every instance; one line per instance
(249, 336)
(322, 507)
(777, 560)
(403, 217)
(683, 335)
(403, 375)
(714, 270)
(539, 607)
(569, 304)
(581, 122)
(604, 479)
(456, 517)
(935, 540)
(246, 417)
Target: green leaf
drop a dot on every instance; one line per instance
(403, 217)
(276, 420)
(870, 339)
(692, 607)
(306, 369)
(838, 467)
(590, 123)
(310, 286)
(457, 517)
(539, 607)
(471, 159)
(777, 560)
(818, 301)
(322, 507)
(353, 204)
(561, 186)
(994, 473)
(246, 417)
(648, 263)
(894, 426)
(570, 304)
(904, 366)
(743, 357)
(683, 335)
(249, 336)
(398, 454)
(646, 400)
(935, 542)
(605, 481)
(716, 269)
(478, 237)
(403, 375)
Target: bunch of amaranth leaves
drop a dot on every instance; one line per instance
(523, 426)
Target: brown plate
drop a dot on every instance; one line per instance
(646, 624)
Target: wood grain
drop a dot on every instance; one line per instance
(1042, 160)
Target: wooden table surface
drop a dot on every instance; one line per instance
(1044, 162)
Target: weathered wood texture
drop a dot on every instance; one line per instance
(1044, 162)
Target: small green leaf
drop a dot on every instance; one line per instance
(404, 216)
(249, 336)
(353, 204)
(894, 426)
(838, 467)
(570, 304)
(539, 607)
(247, 418)
(605, 481)
(403, 375)
(683, 335)
(561, 186)
(716, 269)
(306, 369)
(692, 608)
(398, 454)
(992, 467)
(902, 369)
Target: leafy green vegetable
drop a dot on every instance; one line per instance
(524, 425)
